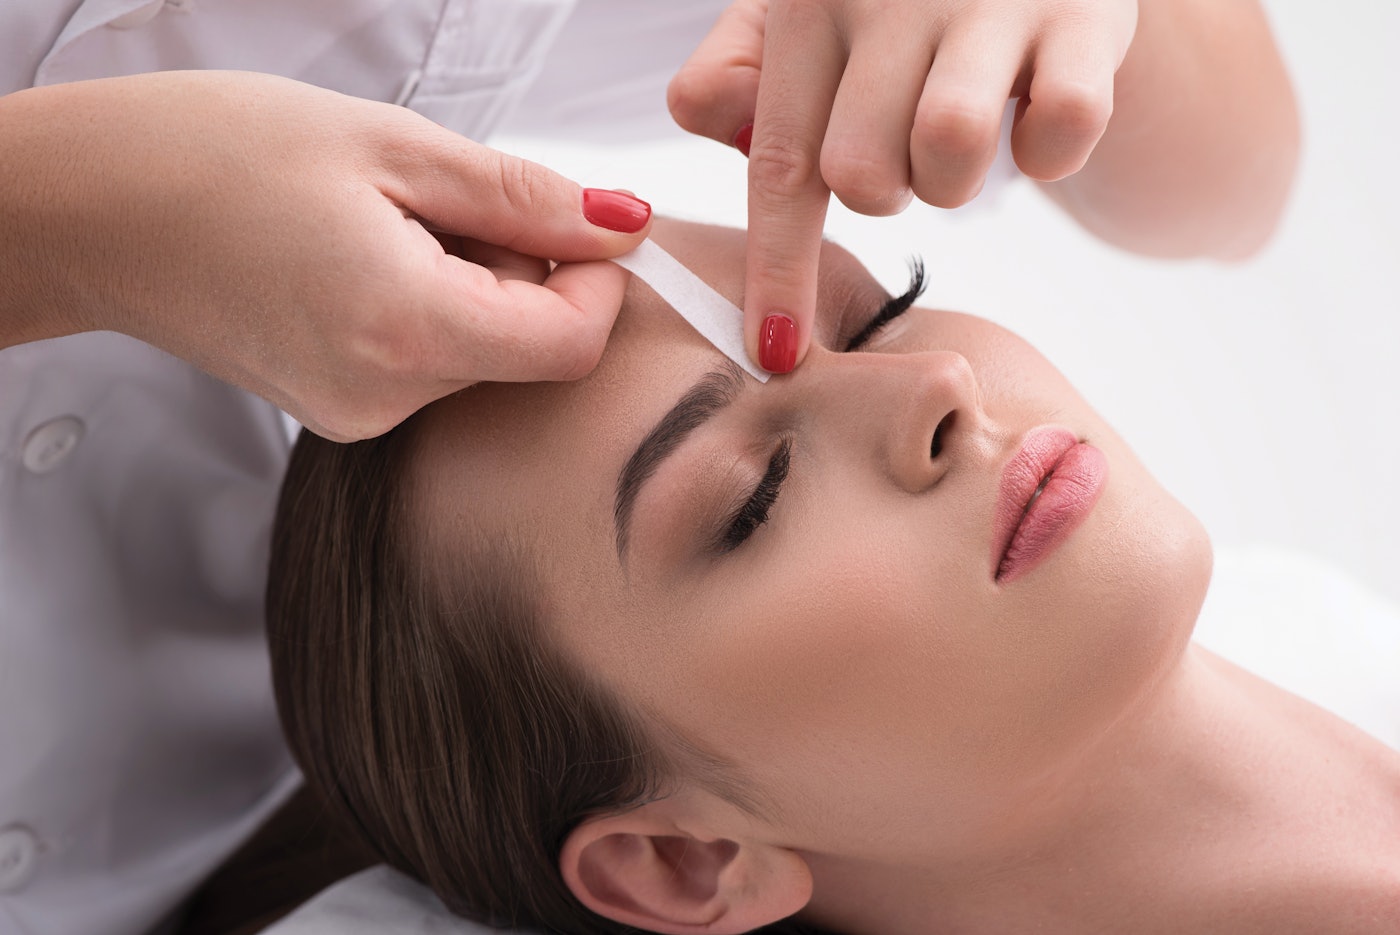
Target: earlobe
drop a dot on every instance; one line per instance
(641, 870)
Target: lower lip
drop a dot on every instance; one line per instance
(1069, 496)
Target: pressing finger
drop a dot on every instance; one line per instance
(787, 197)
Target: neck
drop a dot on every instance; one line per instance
(1223, 803)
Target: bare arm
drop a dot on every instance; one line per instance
(350, 261)
(1201, 150)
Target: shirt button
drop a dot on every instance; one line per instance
(50, 443)
(19, 851)
(139, 16)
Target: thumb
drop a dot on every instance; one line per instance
(515, 330)
(462, 187)
(715, 92)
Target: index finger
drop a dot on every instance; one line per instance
(802, 64)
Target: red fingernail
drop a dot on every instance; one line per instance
(744, 138)
(616, 211)
(777, 344)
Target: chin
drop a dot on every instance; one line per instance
(1124, 598)
(1152, 590)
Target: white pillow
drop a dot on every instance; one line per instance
(376, 901)
(1307, 626)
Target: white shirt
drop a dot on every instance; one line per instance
(138, 741)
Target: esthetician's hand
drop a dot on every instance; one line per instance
(879, 101)
(349, 261)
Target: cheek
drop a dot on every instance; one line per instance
(839, 674)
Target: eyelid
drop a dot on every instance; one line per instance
(753, 512)
(893, 308)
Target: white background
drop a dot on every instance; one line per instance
(1266, 396)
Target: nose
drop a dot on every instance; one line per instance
(910, 412)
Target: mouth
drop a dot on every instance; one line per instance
(1047, 489)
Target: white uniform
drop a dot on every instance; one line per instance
(138, 740)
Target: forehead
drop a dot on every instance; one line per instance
(539, 462)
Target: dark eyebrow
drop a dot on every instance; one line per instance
(709, 395)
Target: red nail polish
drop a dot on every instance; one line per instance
(744, 138)
(777, 344)
(615, 211)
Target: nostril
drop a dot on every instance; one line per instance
(937, 446)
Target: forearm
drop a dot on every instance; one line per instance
(1200, 153)
(35, 302)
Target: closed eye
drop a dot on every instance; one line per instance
(893, 308)
(754, 512)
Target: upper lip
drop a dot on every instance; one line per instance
(1036, 455)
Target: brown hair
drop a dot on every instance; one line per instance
(423, 700)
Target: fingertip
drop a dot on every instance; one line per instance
(778, 343)
(618, 211)
(594, 290)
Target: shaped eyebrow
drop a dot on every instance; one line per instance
(710, 394)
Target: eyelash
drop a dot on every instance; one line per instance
(754, 512)
(894, 307)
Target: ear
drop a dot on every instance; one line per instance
(641, 868)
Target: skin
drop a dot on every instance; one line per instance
(1167, 127)
(896, 548)
(211, 244)
(285, 245)
(927, 745)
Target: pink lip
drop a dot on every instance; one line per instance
(1030, 527)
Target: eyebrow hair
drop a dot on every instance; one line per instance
(708, 396)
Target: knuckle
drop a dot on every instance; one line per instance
(783, 274)
(865, 184)
(778, 170)
(1076, 107)
(584, 357)
(576, 349)
(688, 97)
(945, 190)
(520, 185)
(953, 129)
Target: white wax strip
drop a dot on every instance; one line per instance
(718, 320)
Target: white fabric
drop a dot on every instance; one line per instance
(718, 320)
(1307, 626)
(1286, 616)
(139, 744)
(373, 902)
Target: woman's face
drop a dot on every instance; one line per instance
(855, 656)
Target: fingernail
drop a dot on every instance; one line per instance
(615, 211)
(777, 344)
(744, 138)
